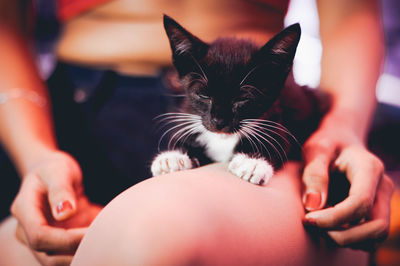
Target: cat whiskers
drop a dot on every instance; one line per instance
(175, 95)
(163, 118)
(185, 133)
(248, 135)
(264, 136)
(247, 86)
(270, 125)
(184, 124)
(202, 79)
(260, 129)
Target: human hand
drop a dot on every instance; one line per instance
(51, 209)
(362, 219)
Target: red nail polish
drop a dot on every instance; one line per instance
(64, 206)
(313, 201)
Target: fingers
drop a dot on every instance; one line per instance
(32, 219)
(60, 187)
(59, 260)
(367, 235)
(364, 236)
(20, 234)
(28, 207)
(62, 198)
(45, 258)
(364, 172)
(52, 240)
(350, 210)
(62, 177)
(318, 156)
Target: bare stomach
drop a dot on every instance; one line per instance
(132, 40)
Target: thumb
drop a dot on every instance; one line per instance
(316, 180)
(62, 198)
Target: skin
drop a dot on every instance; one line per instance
(208, 216)
(352, 87)
(29, 140)
(139, 43)
(49, 176)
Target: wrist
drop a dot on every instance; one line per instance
(348, 114)
(347, 123)
(33, 156)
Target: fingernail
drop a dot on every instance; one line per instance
(312, 201)
(309, 222)
(64, 206)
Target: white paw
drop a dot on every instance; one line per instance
(170, 161)
(254, 170)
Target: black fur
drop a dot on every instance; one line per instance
(230, 80)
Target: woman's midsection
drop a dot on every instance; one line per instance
(128, 36)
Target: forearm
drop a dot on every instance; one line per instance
(351, 63)
(26, 130)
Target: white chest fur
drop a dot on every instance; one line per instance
(218, 147)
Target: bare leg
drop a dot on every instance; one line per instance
(207, 216)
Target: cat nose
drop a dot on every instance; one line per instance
(219, 123)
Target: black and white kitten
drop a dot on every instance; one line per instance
(237, 108)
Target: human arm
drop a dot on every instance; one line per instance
(49, 176)
(27, 128)
(352, 55)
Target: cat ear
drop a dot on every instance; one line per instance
(282, 47)
(275, 59)
(285, 42)
(185, 46)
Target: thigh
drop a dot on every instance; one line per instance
(207, 216)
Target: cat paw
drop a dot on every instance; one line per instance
(170, 161)
(254, 170)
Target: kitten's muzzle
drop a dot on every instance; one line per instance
(221, 125)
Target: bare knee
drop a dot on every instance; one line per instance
(205, 216)
(154, 224)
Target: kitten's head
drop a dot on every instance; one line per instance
(230, 79)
